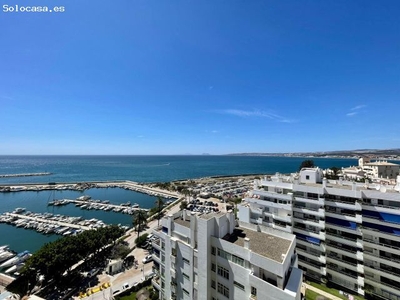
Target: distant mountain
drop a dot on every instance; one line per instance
(373, 153)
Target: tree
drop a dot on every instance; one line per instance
(139, 220)
(183, 205)
(308, 163)
(159, 204)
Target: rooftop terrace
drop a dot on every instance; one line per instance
(264, 244)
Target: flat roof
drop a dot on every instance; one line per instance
(182, 222)
(262, 243)
(212, 215)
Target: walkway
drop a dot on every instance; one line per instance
(321, 292)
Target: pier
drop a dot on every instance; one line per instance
(24, 175)
(47, 221)
(81, 186)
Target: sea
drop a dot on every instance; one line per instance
(146, 169)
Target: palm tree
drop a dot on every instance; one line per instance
(139, 220)
(159, 204)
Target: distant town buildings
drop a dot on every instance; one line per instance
(211, 256)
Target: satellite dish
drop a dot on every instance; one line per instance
(378, 187)
(382, 189)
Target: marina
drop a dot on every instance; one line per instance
(89, 204)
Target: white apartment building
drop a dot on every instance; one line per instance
(347, 233)
(379, 169)
(211, 257)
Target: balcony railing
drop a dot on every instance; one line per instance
(381, 205)
(380, 244)
(340, 248)
(342, 272)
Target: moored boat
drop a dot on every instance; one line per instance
(21, 257)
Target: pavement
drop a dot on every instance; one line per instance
(321, 292)
(132, 275)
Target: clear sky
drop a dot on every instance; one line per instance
(180, 76)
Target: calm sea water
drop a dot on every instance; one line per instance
(103, 168)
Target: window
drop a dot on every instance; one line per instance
(253, 291)
(307, 177)
(186, 260)
(186, 292)
(186, 276)
(233, 258)
(213, 284)
(237, 284)
(213, 250)
(213, 267)
(223, 290)
(238, 260)
(223, 272)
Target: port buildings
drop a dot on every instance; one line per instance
(210, 256)
(347, 233)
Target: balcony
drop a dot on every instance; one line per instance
(344, 204)
(313, 267)
(380, 246)
(321, 247)
(344, 240)
(382, 259)
(376, 232)
(156, 283)
(309, 254)
(311, 222)
(381, 272)
(286, 218)
(359, 268)
(156, 244)
(319, 201)
(348, 284)
(382, 286)
(352, 218)
(347, 252)
(356, 231)
(377, 221)
(320, 212)
(315, 234)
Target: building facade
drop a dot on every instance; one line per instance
(211, 257)
(347, 233)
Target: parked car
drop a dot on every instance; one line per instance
(147, 259)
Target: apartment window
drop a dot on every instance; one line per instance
(186, 260)
(213, 250)
(213, 267)
(223, 272)
(186, 276)
(223, 290)
(224, 254)
(186, 292)
(233, 258)
(238, 260)
(253, 291)
(213, 284)
(238, 285)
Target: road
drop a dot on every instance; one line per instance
(132, 275)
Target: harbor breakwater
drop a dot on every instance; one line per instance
(82, 186)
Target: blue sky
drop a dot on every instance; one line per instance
(179, 77)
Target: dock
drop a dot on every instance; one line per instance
(99, 205)
(47, 221)
(81, 186)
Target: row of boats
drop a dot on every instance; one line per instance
(48, 223)
(11, 262)
(84, 202)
